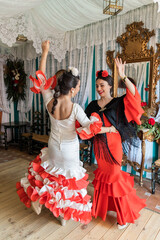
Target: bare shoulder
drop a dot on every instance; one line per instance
(50, 105)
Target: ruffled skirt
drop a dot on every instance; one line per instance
(116, 194)
(62, 192)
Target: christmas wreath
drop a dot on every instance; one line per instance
(15, 80)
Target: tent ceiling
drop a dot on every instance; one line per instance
(57, 16)
(56, 20)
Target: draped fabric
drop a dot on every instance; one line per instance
(26, 105)
(4, 106)
(71, 32)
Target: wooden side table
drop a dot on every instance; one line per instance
(20, 126)
(143, 135)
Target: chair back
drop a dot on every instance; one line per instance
(38, 123)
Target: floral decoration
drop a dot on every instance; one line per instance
(15, 79)
(152, 126)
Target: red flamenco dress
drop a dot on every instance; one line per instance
(113, 188)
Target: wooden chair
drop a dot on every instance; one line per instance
(86, 152)
(155, 174)
(35, 139)
(2, 134)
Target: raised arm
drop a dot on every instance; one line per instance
(47, 94)
(45, 49)
(120, 68)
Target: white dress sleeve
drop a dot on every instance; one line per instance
(86, 128)
(47, 96)
(81, 117)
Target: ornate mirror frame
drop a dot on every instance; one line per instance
(134, 49)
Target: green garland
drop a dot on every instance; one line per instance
(15, 80)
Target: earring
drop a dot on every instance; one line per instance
(72, 93)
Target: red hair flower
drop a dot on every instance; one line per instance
(97, 73)
(104, 73)
(151, 121)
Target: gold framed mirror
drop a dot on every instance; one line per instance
(135, 51)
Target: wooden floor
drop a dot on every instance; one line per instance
(18, 222)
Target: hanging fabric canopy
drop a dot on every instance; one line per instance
(52, 19)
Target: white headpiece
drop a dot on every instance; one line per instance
(73, 70)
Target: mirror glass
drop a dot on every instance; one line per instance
(140, 73)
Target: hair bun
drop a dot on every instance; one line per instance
(73, 70)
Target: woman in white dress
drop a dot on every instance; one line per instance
(56, 178)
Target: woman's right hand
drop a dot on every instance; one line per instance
(113, 129)
(45, 46)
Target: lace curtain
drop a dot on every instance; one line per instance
(102, 32)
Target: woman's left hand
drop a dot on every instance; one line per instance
(120, 67)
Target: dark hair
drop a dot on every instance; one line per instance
(59, 73)
(108, 79)
(65, 82)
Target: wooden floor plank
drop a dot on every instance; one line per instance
(14, 218)
(151, 228)
(78, 233)
(62, 232)
(100, 229)
(11, 210)
(44, 231)
(19, 223)
(133, 230)
(158, 236)
(28, 226)
(12, 163)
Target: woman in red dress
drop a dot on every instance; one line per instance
(113, 188)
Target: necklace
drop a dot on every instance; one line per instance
(102, 109)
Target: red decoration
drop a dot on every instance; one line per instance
(40, 81)
(54, 83)
(151, 121)
(97, 73)
(104, 73)
(143, 104)
(146, 89)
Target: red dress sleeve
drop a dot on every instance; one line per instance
(132, 104)
(94, 126)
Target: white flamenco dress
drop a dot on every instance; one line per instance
(56, 178)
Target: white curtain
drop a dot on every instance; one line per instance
(137, 71)
(4, 104)
(81, 59)
(26, 105)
